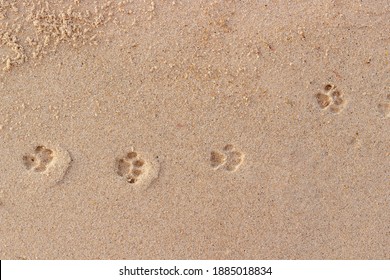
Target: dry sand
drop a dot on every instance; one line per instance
(194, 129)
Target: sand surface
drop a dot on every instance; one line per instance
(194, 129)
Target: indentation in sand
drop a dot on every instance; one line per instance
(39, 160)
(331, 98)
(137, 169)
(48, 162)
(1, 198)
(384, 109)
(228, 159)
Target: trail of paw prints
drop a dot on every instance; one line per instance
(228, 159)
(39, 160)
(131, 167)
(331, 99)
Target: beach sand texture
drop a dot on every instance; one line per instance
(194, 129)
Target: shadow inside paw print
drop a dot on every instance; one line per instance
(39, 159)
(229, 159)
(130, 167)
(331, 98)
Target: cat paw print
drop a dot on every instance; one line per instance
(39, 160)
(228, 159)
(331, 98)
(53, 162)
(131, 167)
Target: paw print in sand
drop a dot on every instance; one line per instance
(331, 98)
(131, 167)
(39, 160)
(229, 159)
